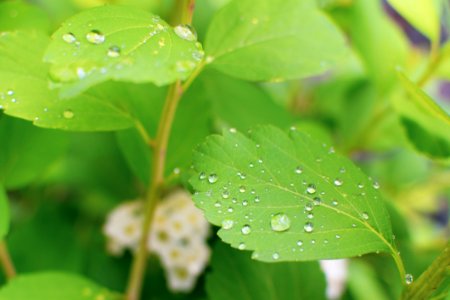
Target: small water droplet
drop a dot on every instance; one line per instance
(342, 170)
(242, 189)
(186, 32)
(365, 216)
(251, 165)
(68, 114)
(257, 199)
(276, 256)
(114, 51)
(230, 209)
(202, 176)
(334, 203)
(241, 246)
(409, 279)
(298, 170)
(212, 178)
(217, 204)
(244, 203)
(360, 185)
(246, 229)
(317, 201)
(95, 37)
(313, 242)
(338, 236)
(69, 38)
(338, 182)
(299, 243)
(310, 216)
(280, 222)
(309, 227)
(227, 224)
(311, 189)
(376, 185)
(309, 206)
(225, 194)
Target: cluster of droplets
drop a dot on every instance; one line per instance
(178, 236)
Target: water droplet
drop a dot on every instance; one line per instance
(276, 256)
(310, 216)
(298, 170)
(280, 222)
(242, 189)
(313, 242)
(365, 216)
(217, 204)
(212, 178)
(338, 182)
(244, 203)
(409, 279)
(227, 224)
(81, 73)
(225, 194)
(309, 227)
(257, 199)
(95, 37)
(68, 114)
(299, 243)
(317, 201)
(376, 185)
(185, 32)
(246, 229)
(338, 236)
(202, 176)
(114, 51)
(251, 165)
(69, 38)
(241, 246)
(198, 55)
(334, 203)
(360, 185)
(311, 189)
(342, 170)
(309, 206)
(230, 209)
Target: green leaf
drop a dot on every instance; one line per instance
(234, 273)
(422, 14)
(16, 15)
(26, 151)
(4, 213)
(363, 283)
(273, 40)
(120, 43)
(52, 285)
(426, 124)
(289, 198)
(24, 91)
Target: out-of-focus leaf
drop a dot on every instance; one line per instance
(363, 283)
(26, 151)
(273, 40)
(16, 15)
(4, 213)
(120, 43)
(52, 285)
(235, 274)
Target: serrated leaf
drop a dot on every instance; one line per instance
(422, 14)
(288, 198)
(24, 91)
(234, 273)
(4, 213)
(52, 285)
(426, 123)
(120, 43)
(16, 15)
(26, 151)
(273, 40)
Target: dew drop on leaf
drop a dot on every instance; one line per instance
(317, 201)
(225, 194)
(212, 178)
(227, 224)
(409, 279)
(309, 206)
(338, 182)
(185, 32)
(299, 243)
(298, 170)
(202, 176)
(95, 37)
(280, 222)
(217, 204)
(241, 246)
(311, 189)
(69, 38)
(242, 189)
(246, 229)
(376, 185)
(309, 227)
(334, 203)
(276, 256)
(114, 51)
(365, 216)
(68, 114)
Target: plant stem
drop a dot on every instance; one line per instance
(430, 280)
(160, 145)
(6, 262)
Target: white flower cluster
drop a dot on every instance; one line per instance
(178, 236)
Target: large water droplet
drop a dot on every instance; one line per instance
(227, 224)
(280, 222)
(185, 32)
(68, 114)
(114, 51)
(409, 279)
(212, 178)
(311, 189)
(246, 229)
(69, 38)
(309, 227)
(95, 37)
